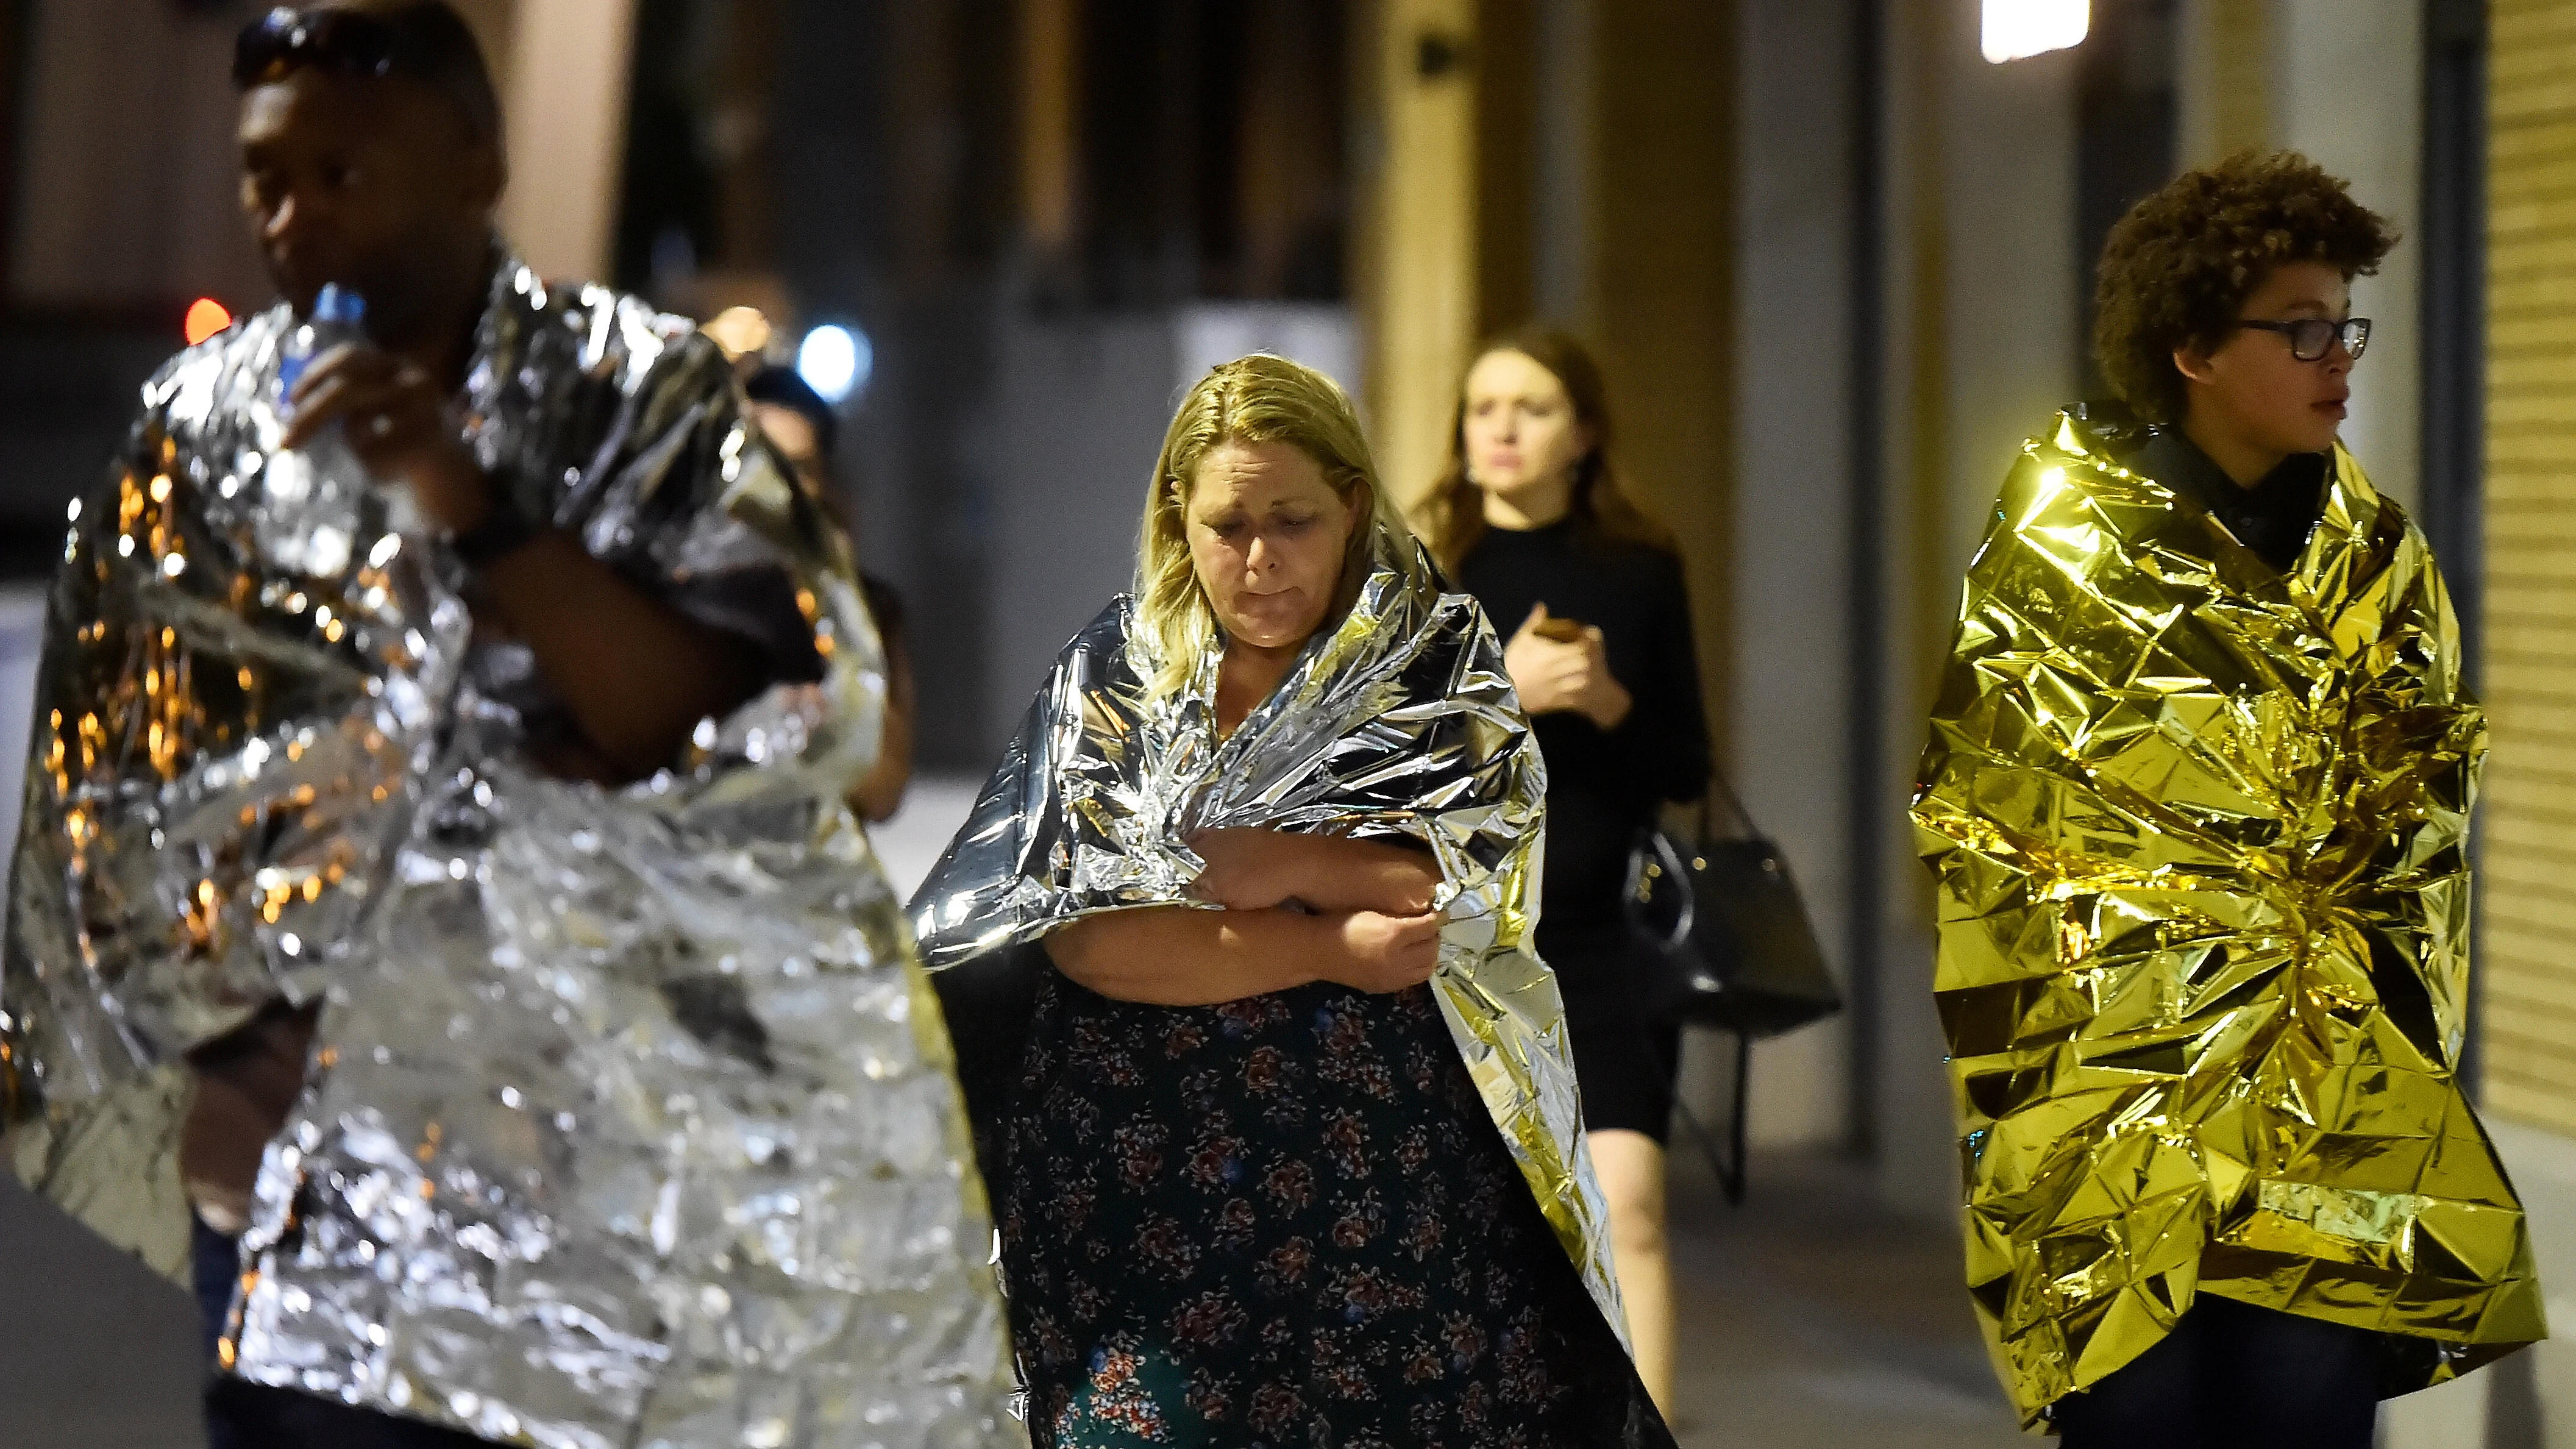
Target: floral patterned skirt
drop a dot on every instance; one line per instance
(1286, 1221)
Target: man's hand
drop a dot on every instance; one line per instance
(1558, 666)
(1382, 953)
(636, 673)
(399, 425)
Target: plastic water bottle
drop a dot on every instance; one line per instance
(324, 508)
(338, 317)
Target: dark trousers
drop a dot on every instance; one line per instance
(243, 1415)
(2231, 1374)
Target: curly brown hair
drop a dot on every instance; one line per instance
(2181, 263)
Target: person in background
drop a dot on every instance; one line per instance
(1531, 519)
(804, 430)
(2197, 801)
(369, 909)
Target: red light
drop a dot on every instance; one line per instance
(206, 317)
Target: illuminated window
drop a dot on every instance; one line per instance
(835, 361)
(739, 330)
(2018, 28)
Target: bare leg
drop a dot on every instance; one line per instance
(1631, 1168)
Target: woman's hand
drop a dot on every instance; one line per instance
(1254, 870)
(1186, 956)
(1251, 869)
(1382, 953)
(1558, 666)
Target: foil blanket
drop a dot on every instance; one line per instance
(1396, 723)
(2199, 832)
(630, 1121)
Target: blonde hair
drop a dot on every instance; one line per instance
(1255, 399)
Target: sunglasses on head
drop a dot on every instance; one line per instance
(336, 42)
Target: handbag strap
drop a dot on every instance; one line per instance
(1720, 789)
(1657, 851)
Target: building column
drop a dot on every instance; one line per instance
(1050, 128)
(563, 80)
(1792, 426)
(2226, 78)
(2343, 82)
(1417, 239)
(1661, 288)
(2528, 993)
(1980, 323)
(2348, 90)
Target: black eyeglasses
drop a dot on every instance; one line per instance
(338, 42)
(2311, 338)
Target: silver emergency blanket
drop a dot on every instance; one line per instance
(1397, 723)
(630, 1121)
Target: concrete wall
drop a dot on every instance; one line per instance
(2543, 1380)
(128, 188)
(130, 173)
(2348, 90)
(1084, 403)
(563, 79)
(1980, 323)
(1793, 426)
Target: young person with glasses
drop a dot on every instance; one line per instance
(2196, 799)
(435, 878)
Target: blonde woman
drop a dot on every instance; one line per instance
(1530, 520)
(1272, 822)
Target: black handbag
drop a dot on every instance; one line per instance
(1727, 940)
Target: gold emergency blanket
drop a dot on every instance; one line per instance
(630, 1122)
(1397, 723)
(2199, 833)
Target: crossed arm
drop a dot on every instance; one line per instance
(1298, 909)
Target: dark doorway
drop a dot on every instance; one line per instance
(2454, 238)
(2124, 144)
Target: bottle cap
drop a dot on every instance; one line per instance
(339, 306)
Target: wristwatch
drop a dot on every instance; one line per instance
(503, 532)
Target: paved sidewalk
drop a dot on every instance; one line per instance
(96, 1351)
(1809, 1320)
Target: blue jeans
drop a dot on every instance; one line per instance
(215, 1263)
(244, 1415)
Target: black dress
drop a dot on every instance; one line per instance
(1603, 787)
(1286, 1221)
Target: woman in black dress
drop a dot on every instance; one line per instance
(1531, 521)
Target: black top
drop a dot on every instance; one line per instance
(2272, 519)
(1602, 787)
